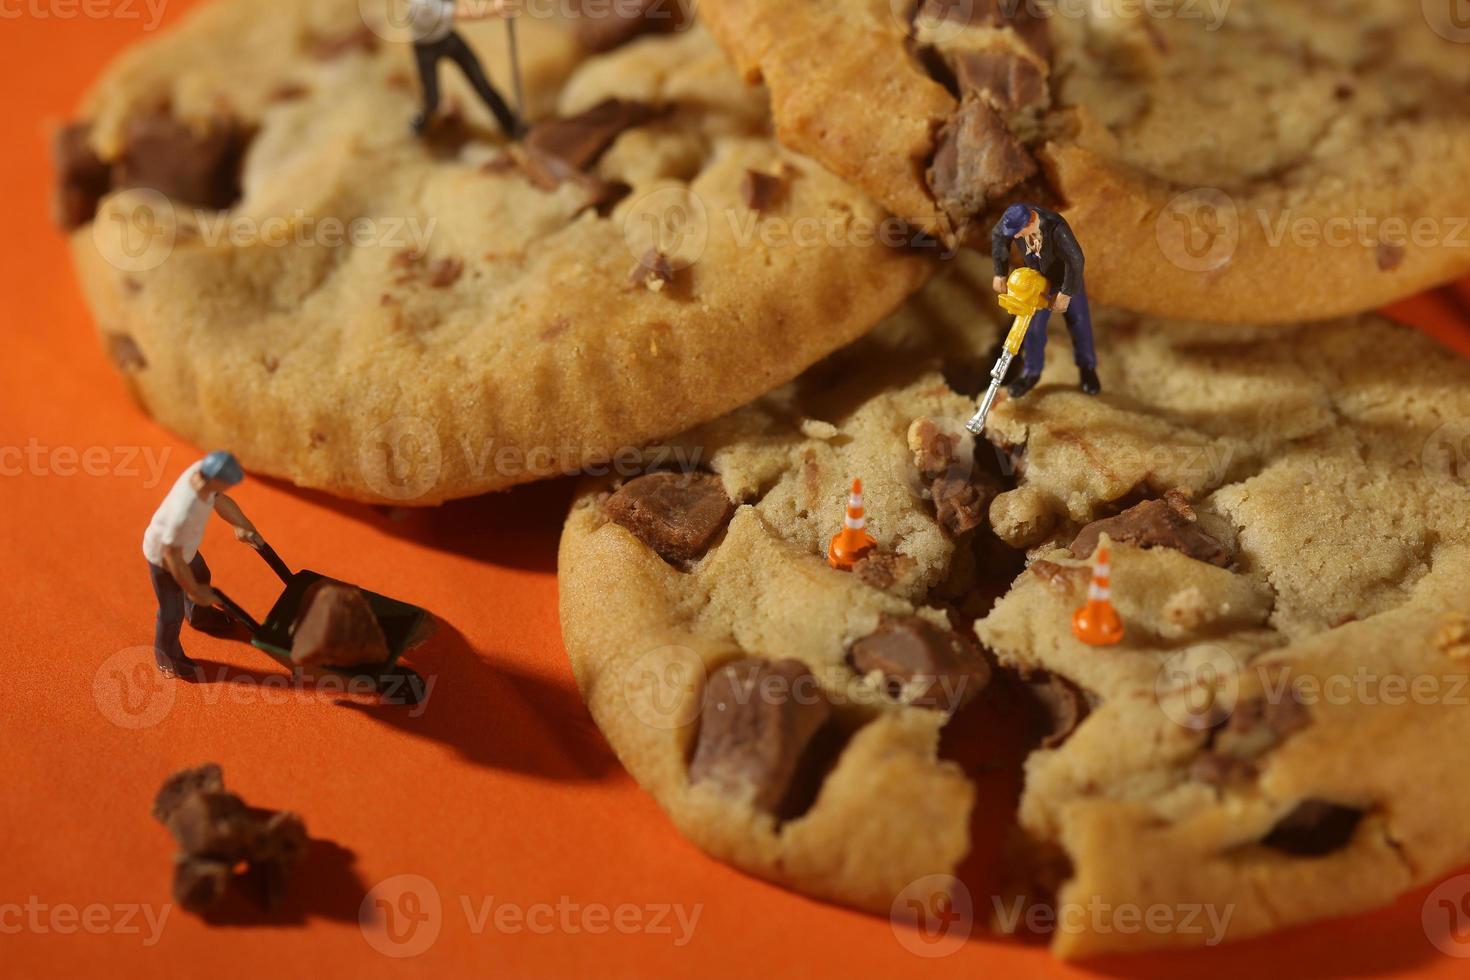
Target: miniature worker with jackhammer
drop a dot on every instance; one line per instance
(1048, 246)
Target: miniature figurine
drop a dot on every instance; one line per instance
(1097, 623)
(1048, 246)
(180, 575)
(1025, 297)
(853, 542)
(431, 23)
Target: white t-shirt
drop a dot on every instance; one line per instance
(179, 520)
(430, 20)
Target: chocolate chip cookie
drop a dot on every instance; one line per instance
(277, 265)
(1288, 160)
(1272, 742)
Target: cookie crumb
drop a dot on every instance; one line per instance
(1021, 517)
(817, 429)
(883, 571)
(1453, 638)
(653, 271)
(1187, 608)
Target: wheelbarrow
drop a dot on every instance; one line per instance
(401, 624)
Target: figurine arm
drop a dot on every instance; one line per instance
(230, 511)
(173, 560)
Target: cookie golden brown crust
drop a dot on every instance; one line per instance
(487, 329)
(1291, 541)
(1287, 161)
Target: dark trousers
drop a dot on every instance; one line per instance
(1079, 325)
(455, 49)
(173, 607)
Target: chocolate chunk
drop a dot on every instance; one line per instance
(1254, 727)
(336, 46)
(602, 25)
(175, 789)
(218, 835)
(935, 450)
(1390, 257)
(1314, 828)
(1152, 524)
(558, 149)
(976, 161)
(1221, 770)
(189, 165)
(1260, 724)
(81, 177)
(678, 515)
(1008, 81)
(1062, 579)
(1062, 706)
(124, 352)
(961, 491)
(758, 728)
(336, 627)
(445, 272)
(760, 190)
(200, 883)
(288, 92)
(943, 669)
(960, 505)
(653, 270)
(213, 824)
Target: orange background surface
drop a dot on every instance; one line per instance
(500, 790)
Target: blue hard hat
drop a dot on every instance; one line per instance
(222, 466)
(1017, 216)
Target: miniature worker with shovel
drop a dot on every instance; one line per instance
(431, 25)
(180, 576)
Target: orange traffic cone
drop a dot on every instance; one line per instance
(1097, 623)
(853, 541)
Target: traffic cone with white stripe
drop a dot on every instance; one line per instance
(853, 542)
(1097, 623)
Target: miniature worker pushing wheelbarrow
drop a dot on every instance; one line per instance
(318, 623)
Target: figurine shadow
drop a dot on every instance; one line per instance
(496, 715)
(324, 886)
